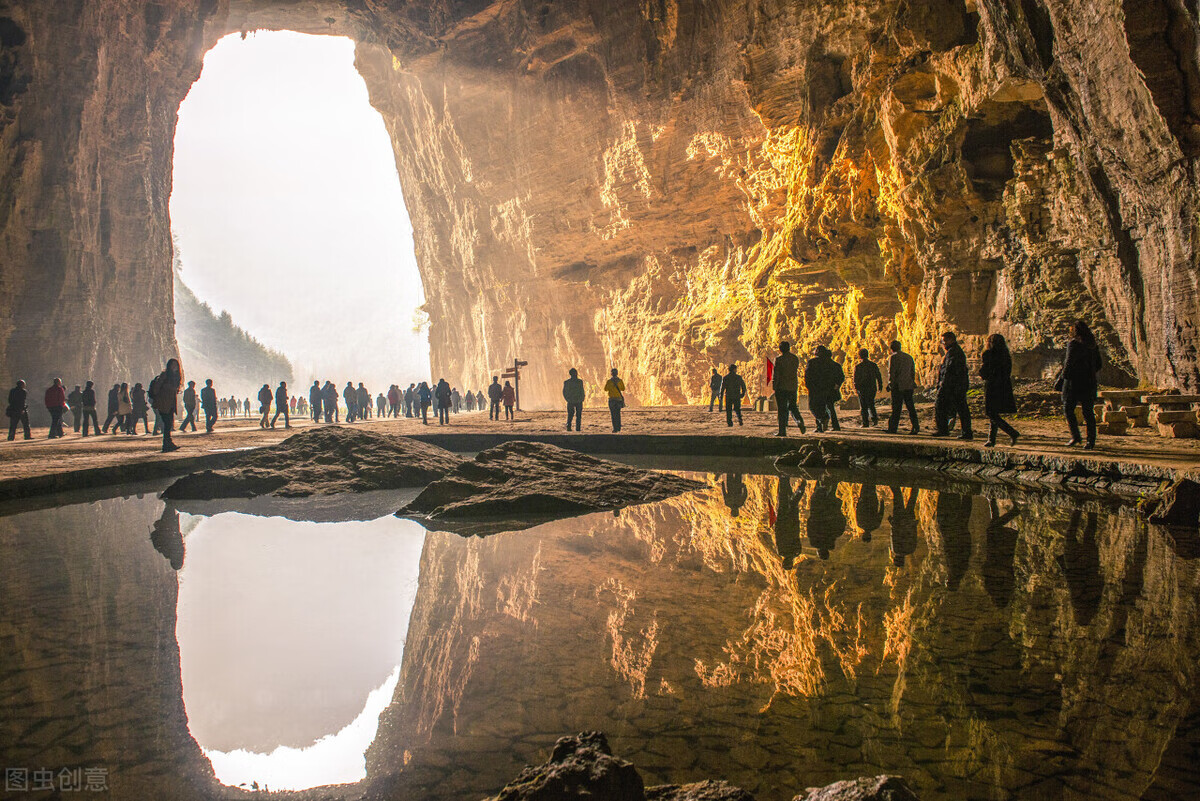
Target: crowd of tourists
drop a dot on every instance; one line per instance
(822, 375)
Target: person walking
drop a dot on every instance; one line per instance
(480, 402)
(166, 388)
(410, 400)
(823, 377)
(124, 410)
(734, 388)
(785, 381)
(614, 387)
(424, 398)
(953, 383)
(208, 402)
(56, 404)
(111, 413)
(141, 409)
(329, 401)
(75, 404)
(264, 404)
(281, 405)
(573, 394)
(350, 396)
(902, 382)
(714, 392)
(393, 398)
(89, 409)
(363, 401)
(867, 381)
(996, 371)
(444, 396)
(509, 396)
(18, 411)
(1078, 382)
(245, 407)
(495, 393)
(381, 406)
(189, 406)
(314, 401)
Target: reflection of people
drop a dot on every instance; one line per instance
(1080, 562)
(904, 524)
(826, 522)
(1001, 539)
(734, 491)
(167, 538)
(953, 518)
(787, 521)
(868, 512)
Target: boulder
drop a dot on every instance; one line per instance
(321, 461)
(698, 791)
(520, 484)
(874, 788)
(1179, 506)
(580, 767)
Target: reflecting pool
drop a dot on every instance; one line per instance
(778, 632)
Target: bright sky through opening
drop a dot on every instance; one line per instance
(289, 213)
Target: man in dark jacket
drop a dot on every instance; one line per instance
(189, 406)
(953, 382)
(56, 404)
(444, 396)
(573, 394)
(264, 404)
(734, 389)
(714, 392)
(329, 402)
(208, 402)
(786, 382)
(114, 399)
(495, 393)
(314, 401)
(75, 404)
(902, 382)
(364, 402)
(350, 396)
(823, 377)
(18, 411)
(867, 381)
(281, 405)
(89, 409)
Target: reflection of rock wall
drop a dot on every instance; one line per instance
(91, 666)
(656, 185)
(676, 630)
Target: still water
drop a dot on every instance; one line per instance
(776, 632)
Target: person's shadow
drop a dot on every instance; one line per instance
(787, 521)
(904, 524)
(826, 521)
(868, 512)
(733, 492)
(167, 538)
(953, 522)
(1001, 542)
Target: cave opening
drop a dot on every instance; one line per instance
(293, 247)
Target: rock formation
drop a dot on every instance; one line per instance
(520, 484)
(321, 461)
(656, 184)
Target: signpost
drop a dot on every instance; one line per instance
(514, 373)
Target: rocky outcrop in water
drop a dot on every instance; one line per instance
(657, 184)
(321, 461)
(519, 484)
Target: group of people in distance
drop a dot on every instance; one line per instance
(414, 402)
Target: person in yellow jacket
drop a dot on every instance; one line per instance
(615, 388)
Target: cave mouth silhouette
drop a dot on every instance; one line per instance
(287, 212)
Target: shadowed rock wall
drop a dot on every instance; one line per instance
(658, 185)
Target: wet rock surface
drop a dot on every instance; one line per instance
(322, 461)
(519, 484)
(877, 788)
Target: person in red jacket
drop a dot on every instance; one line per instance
(509, 396)
(56, 404)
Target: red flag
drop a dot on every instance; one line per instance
(770, 369)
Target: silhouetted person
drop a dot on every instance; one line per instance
(953, 383)
(614, 387)
(509, 396)
(445, 398)
(208, 402)
(350, 396)
(573, 394)
(1080, 562)
(189, 407)
(245, 407)
(410, 401)
(329, 402)
(1078, 380)
(953, 518)
(826, 521)
(314, 401)
(1001, 542)
(167, 386)
(380, 405)
(56, 404)
(281, 405)
(363, 399)
(393, 397)
(469, 401)
(715, 395)
(733, 490)
(902, 382)
(823, 377)
(996, 371)
(734, 388)
(75, 404)
(124, 409)
(141, 409)
(495, 393)
(904, 524)
(785, 380)
(89, 409)
(424, 398)
(17, 411)
(455, 400)
(264, 404)
(111, 415)
(867, 382)
(787, 521)
(480, 403)
(167, 538)
(868, 511)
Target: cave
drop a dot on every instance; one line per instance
(531, 139)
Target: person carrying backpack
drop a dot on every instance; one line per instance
(164, 392)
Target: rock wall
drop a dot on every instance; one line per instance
(658, 185)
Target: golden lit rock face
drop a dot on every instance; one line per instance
(661, 186)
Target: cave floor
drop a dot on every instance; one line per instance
(73, 457)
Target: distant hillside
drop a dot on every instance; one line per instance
(214, 347)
